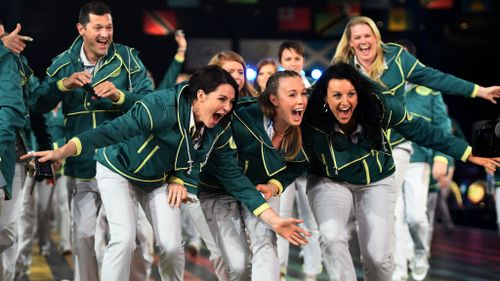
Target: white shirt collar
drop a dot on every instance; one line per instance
(87, 65)
(360, 67)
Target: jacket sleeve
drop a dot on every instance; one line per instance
(423, 133)
(418, 73)
(140, 119)
(224, 165)
(170, 77)
(294, 169)
(46, 95)
(11, 102)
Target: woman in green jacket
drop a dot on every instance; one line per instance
(267, 139)
(150, 145)
(352, 167)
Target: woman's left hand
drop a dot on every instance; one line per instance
(177, 193)
(490, 164)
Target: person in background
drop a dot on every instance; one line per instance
(265, 68)
(17, 124)
(236, 66)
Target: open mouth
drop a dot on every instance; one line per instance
(297, 113)
(217, 117)
(102, 42)
(344, 112)
(365, 50)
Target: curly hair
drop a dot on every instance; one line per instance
(368, 113)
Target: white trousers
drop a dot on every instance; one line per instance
(85, 203)
(230, 222)
(296, 192)
(9, 210)
(401, 154)
(332, 203)
(199, 225)
(120, 200)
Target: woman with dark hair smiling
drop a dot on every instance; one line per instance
(161, 139)
(352, 168)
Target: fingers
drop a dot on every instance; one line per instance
(176, 195)
(43, 156)
(26, 38)
(17, 29)
(107, 90)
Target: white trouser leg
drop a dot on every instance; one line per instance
(312, 250)
(401, 154)
(9, 210)
(224, 218)
(416, 189)
(119, 202)
(195, 212)
(63, 216)
(26, 224)
(287, 200)
(432, 199)
(331, 204)
(265, 261)
(166, 223)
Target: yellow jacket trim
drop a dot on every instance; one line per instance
(466, 154)
(174, 179)
(148, 140)
(61, 87)
(278, 184)
(149, 113)
(261, 209)
(147, 159)
(113, 168)
(121, 99)
(179, 58)
(474, 92)
(441, 159)
(367, 172)
(78, 144)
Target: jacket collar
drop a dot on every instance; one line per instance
(251, 118)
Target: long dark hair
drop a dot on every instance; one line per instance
(368, 113)
(207, 79)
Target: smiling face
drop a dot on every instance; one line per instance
(264, 72)
(291, 60)
(236, 70)
(364, 43)
(210, 108)
(97, 36)
(290, 101)
(342, 100)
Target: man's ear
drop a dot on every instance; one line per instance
(80, 28)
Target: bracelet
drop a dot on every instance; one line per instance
(3, 35)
